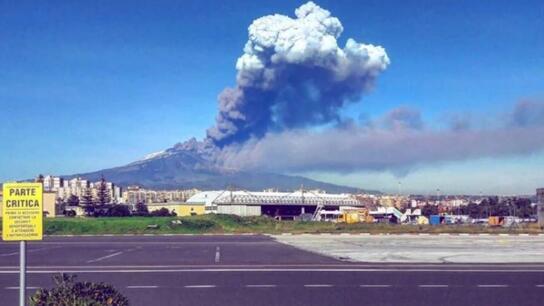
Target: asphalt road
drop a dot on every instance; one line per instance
(257, 270)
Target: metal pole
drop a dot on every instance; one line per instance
(22, 272)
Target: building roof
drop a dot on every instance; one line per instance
(206, 197)
(174, 203)
(273, 198)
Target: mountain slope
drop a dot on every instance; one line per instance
(188, 165)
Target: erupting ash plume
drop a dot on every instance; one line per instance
(293, 74)
(398, 142)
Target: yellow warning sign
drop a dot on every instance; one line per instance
(22, 211)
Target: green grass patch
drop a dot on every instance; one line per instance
(217, 224)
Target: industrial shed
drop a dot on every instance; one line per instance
(283, 205)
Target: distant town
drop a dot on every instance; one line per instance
(73, 197)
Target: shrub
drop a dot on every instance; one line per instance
(163, 212)
(197, 224)
(69, 213)
(141, 210)
(68, 292)
(119, 211)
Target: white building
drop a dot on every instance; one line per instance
(78, 186)
(135, 195)
(283, 205)
(52, 183)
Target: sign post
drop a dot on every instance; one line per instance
(22, 272)
(22, 220)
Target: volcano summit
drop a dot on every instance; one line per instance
(191, 164)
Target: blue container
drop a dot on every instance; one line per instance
(434, 220)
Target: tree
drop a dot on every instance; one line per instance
(73, 200)
(103, 193)
(163, 212)
(500, 209)
(523, 208)
(39, 179)
(118, 211)
(69, 292)
(473, 210)
(141, 210)
(428, 210)
(87, 202)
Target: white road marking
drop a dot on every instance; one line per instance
(143, 269)
(142, 287)
(104, 257)
(145, 243)
(17, 288)
(409, 267)
(433, 286)
(199, 286)
(28, 251)
(375, 286)
(492, 286)
(540, 286)
(217, 254)
(261, 286)
(317, 285)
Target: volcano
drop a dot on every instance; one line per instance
(191, 165)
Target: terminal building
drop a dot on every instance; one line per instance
(281, 205)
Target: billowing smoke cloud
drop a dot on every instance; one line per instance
(528, 113)
(403, 118)
(395, 143)
(293, 75)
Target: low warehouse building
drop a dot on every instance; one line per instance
(281, 205)
(181, 209)
(239, 210)
(205, 198)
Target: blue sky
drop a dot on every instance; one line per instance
(88, 85)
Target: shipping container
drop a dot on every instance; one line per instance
(435, 220)
(496, 221)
